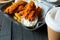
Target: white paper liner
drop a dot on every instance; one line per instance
(51, 22)
(29, 23)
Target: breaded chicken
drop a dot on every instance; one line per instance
(10, 9)
(38, 12)
(31, 16)
(20, 8)
(21, 13)
(28, 8)
(29, 11)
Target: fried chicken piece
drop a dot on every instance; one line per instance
(29, 11)
(20, 8)
(31, 16)
(28, 8)
(11, 8)
(38, 12)
(30, 5)
(21, 13)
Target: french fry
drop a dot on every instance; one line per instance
(15, 17)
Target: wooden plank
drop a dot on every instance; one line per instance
(37, 35)
(0, 22)
(40, 34)
(44, 32)
(23, 34)
(27, 35)
(5, 32)
(6, 37)
(16, 32)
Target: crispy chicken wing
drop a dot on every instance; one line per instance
(20, 8)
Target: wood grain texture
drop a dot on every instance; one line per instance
(20, 33)
(16, 32)
(5, 28)
(27, 35)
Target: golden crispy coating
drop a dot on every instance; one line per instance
(32, 16)
(11, 8)
(29, 13)
(20, 8)
(28, 8)
(38, 12)
(21, 13)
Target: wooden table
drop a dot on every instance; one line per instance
(11, 31)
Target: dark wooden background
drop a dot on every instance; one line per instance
(5, 28)
(11, 31)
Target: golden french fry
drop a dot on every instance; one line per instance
(18, 16)
(19, 21)
(15, 17)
